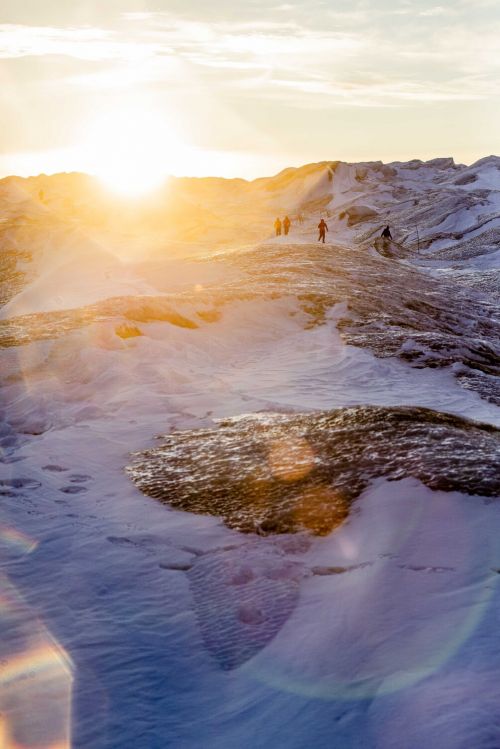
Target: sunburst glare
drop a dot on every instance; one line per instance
(131, 150)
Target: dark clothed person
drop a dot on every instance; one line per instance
(323, 228)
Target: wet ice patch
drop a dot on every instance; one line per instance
(280, 474)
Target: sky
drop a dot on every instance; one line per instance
(142, 88)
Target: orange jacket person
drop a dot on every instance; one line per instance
(323, 228)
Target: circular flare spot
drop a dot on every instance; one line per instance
(291, 459)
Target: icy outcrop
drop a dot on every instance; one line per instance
(281, 474)
(357, 214)
(392, 307)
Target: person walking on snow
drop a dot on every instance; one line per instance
(277, 226)
(286, 224)
(323, 228)
(386, 234)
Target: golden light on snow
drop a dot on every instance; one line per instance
(131, 150)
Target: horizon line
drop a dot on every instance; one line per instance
(264, 176)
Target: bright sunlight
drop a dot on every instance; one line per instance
(131, 150)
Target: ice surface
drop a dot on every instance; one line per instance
(278, 474)
(164, 627)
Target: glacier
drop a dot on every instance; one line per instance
(249, 483)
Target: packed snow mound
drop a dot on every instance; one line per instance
(81, 274)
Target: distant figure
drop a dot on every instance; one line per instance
(386, 234)
(286, 224)
(277, 226)
(301, 218)
(323, 228)
(41, 196)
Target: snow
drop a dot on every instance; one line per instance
(131, 602)
(404, 536)
(61, 288)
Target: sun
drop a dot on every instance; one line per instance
(130, 150)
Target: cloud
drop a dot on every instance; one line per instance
(82, 43)
(437, 10)
(395, 92)
(343, 57)
(138, 15)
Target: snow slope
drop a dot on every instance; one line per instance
(164, 627)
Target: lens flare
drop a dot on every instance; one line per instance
(16, 541)
(395, 617)
(36, 677)
(291, 459)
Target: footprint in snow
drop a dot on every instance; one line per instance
(120, 541)
(79, 478)
(423, 568)
(72, 489)
(20, 483)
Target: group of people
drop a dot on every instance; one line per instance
(285, 225)
(322, 227)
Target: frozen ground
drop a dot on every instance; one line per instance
(128, 622)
